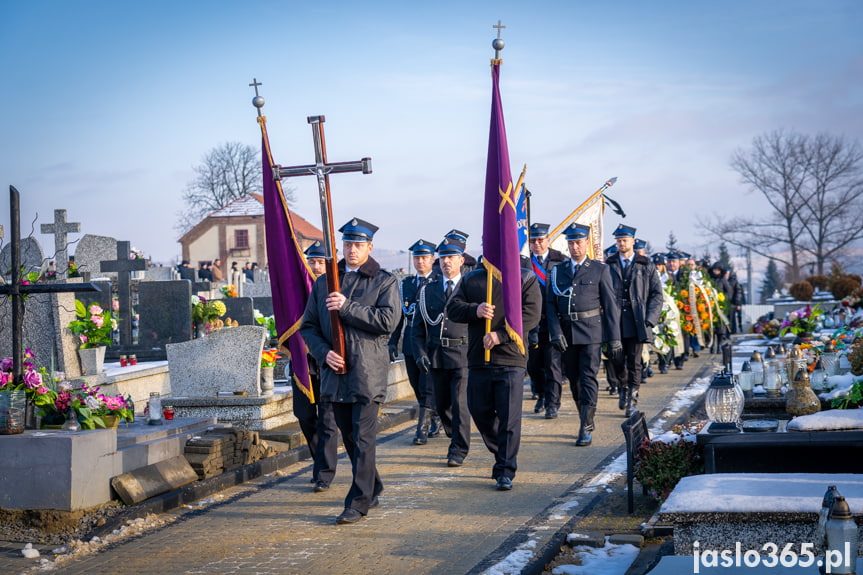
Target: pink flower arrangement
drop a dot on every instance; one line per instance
(94, 325)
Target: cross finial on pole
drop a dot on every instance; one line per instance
(498, 43)
(499, 26)
(258, 100)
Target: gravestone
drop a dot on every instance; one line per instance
(159, 273)
(264, 305)
(240, 309)
(103, 297)
(92, 250)
(61, 246)
(165, 312)
(31, 257)
(256, 290)
(226, 361)
(123, 266)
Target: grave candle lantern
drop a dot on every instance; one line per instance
(746, 377)
(154, 409)
(818, 377)
(841, 537)
(772, 379)
(723, 403)
(830, 360)
(757, 366)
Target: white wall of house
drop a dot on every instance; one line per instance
(205, 248)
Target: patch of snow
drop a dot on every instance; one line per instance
(29, 552)
(831, 420)
(609, 560)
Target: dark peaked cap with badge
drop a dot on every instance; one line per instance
(451, 247)
(639, 244)
(422, 248)
(538, 230)
(576, 231)
(316, 250)
(624, 231)
(457, 234)
(358, 230)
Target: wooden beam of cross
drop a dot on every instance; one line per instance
(60, 228)
(124, 266)
(322, 169)
(18, 293)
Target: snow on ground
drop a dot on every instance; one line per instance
(831, 420)
(609, 560)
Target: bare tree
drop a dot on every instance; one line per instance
(813, 186)
(225, 173)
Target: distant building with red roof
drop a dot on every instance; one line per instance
(236, 232)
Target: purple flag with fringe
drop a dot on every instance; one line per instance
(500, 245)
(290, 277)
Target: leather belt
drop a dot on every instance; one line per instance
(452, 342)
(577, 315)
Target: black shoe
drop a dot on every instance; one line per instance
(533, 397)
(540, 403)
(374, 502)
(436, 426)
(454, 462)
(612, 390)
(421, 439)
(649, 372)
(694, 354)
(663, 370)
(504, 483)
(551, 413)
(348, 516)
(321, 486)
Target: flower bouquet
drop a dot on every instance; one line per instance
(34, 380)
(804, 321)
(95, 325)
(91, 407)
(269, 356)
(229, 290)
(207, 313)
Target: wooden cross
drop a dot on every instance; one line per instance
(60, 228)
(322, 170)
(18, 293)
(124, 266)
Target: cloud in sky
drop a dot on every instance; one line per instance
(107, 107)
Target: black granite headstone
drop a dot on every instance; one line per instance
(240, 309)
(165, 310)
(263, 304)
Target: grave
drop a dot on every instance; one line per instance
(264, 304)
(166, 317)
(91, 251)
(722, 509)
(32, 259)
(240, 309)
(68, 471)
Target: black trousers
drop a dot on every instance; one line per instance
(581, 366)
(494, 397)
(545, 371)
(423, 389)
(315, 425)
(450, 392)
(358, 423)
(629, 366)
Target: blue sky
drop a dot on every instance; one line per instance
(107, 106)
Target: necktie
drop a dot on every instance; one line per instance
(448, 291)
(623, 263)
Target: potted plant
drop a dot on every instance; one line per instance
(34, 387)
(94, 327)
(268, 364)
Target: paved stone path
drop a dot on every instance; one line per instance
(432, 519)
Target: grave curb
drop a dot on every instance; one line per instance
(399, 413)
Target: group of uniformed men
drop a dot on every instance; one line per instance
(574, 310)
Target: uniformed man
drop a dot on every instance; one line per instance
(317, 421)
(422, 252)
(369, 309)
(639, 296)
(440, 346)
(582, 314)
(470, 262)
(543, 360)
(495, 388)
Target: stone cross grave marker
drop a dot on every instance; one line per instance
(124, 266)
(60, 228)
(17, 292)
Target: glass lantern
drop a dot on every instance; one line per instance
(795, 362)
(829, 360)
(757, 366)
(724, 404)
(818, 377)
(842, 536)
(154, 409)
(773, 370)
(746, 379)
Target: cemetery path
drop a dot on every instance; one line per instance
(432, 519)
